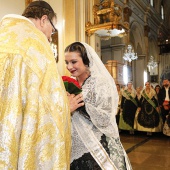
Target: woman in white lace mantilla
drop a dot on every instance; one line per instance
(95, 138)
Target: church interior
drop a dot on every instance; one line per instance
(132, 38)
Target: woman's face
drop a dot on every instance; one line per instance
(75, 64)
(129, 85)
(147, 85)
(157, 89)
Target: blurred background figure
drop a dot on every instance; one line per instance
(157, 89)
(129, 105)
(166, 128)
(138, 93)
(164, 99)
(123, 87)
(148, 117)
(141, 88)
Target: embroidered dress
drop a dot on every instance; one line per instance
(148, 119)
(129, 106)
(34, 112)
(95, 137)
(166, 129)
(87, 161)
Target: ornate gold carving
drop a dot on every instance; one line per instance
(108, 16)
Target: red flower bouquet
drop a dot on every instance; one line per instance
(72, 86)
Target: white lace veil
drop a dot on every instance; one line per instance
(97, 68)
(86, 135)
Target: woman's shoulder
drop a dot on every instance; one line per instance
(99, 78)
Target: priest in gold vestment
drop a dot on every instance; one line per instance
(34, 108)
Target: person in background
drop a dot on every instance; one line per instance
(129, 105)
(166, 127)
(138, 93)
(164, 99)
(141, 88)
(34, 108)
(157, 89)
(122, 87)
(95, 136)
(148, 117)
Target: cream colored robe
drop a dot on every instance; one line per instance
(34, 111)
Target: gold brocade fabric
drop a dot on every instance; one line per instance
(34, 111)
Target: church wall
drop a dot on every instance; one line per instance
(11, 7)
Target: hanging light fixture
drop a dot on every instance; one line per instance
(129, 54)
(152, 63)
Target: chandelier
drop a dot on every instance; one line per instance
(129, 54)
(152, 63)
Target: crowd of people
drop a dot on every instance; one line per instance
(144, 108)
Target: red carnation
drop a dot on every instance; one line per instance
(72, 86)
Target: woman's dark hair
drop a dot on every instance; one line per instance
(79, 48)
(158, 87)
(37, 9)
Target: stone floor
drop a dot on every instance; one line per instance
(147, 152)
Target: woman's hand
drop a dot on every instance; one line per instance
(76, 101)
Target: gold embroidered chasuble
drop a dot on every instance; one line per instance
(34, 111)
